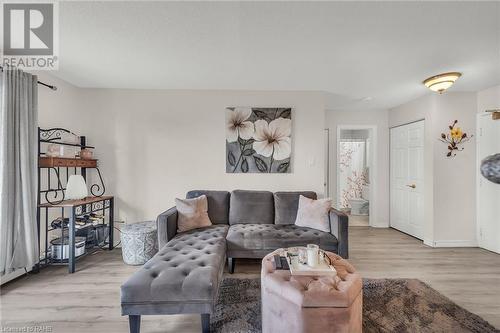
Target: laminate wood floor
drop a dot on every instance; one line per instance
(89, 300)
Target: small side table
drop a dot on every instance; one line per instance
(139, 242)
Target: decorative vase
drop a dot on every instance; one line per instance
(86, 154)
(55, 150)
(76, 188)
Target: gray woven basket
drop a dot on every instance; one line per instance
(139, 242)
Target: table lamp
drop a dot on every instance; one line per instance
(76, 188)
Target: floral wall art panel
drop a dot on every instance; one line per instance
(258, 140)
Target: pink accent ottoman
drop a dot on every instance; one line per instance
(311, 304)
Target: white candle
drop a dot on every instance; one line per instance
(312, 255)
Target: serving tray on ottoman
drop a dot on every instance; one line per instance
(323, 268)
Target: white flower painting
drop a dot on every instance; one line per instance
(258, 140)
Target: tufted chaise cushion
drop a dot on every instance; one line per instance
(286, 205)
(251, 207)
(183, 276)
(218, 204)
(256, 239)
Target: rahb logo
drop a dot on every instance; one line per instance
(30, 35)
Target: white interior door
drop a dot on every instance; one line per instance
(407, 178)
(488, 193)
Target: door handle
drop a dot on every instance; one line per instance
(412, 186)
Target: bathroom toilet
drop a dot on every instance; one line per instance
(360, 206)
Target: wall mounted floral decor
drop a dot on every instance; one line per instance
(454, 138)
(258, 140)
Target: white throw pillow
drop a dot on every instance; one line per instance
(314, 213)
(192, 213)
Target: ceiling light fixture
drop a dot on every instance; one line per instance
(441, 82)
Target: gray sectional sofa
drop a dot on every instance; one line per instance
(184, 276)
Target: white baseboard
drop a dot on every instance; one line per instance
(380, 226)
(429, 242)
(451, 243)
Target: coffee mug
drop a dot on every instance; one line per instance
(312, 255)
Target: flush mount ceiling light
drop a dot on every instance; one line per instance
(441, 82)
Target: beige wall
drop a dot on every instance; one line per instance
(155, 145)
(488, 99)
(449, 182)
(454, 178)
(62, 107)
(150, 142)
(379, 206)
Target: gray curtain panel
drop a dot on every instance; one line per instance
(18, 170)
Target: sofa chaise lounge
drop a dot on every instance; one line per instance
(184, 276)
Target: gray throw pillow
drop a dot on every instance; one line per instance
(192, 213)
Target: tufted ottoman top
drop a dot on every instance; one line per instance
(313, 291)
(139, 228)
(185, 269)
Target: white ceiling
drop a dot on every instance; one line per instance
(351, 50)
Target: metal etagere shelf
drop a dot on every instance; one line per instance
(76, 217)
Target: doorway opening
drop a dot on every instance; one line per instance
(355, 171)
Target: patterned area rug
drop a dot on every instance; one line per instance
(389, 305)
